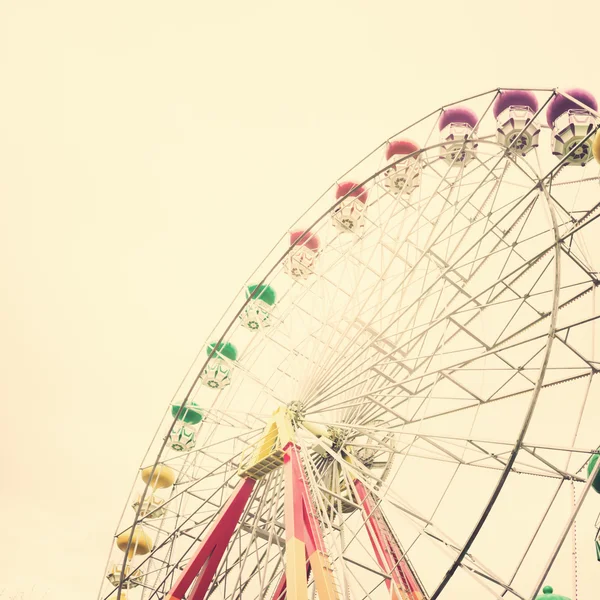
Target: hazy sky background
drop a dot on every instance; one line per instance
(135, 137)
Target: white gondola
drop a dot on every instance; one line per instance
(217, 373)
(349, 215)
(517, 129)
(114, 576)
(182, 438)
(301, 261)
(457, 130)
(573, 126)
(152, 507)
(403, 176)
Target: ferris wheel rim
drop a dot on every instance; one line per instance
(279, 261)
(234, 321)
(525, 425)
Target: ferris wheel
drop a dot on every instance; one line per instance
(401, 403)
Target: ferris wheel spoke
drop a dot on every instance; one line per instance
(396, 417)
(381, 372)
(367, 329)
(348, 294)
(401, 365)
(483, 262)
(450, 445)
(437, 321)
(492, 227)
(383, 273)
(513, 250)
(517, 220)
(457, 237)
(440, 320)
(451, 187)
(326, 337)
(430, 236)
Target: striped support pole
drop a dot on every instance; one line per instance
(281, 589)
(305, 548)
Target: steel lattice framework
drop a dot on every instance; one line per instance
(413, 416)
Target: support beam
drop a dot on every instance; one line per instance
(304, 539)
(403, 584)
(203, 565)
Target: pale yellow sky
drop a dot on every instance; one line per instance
(137, 136)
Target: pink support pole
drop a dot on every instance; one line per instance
(301, 520)
(280, 590)
(304, 539)
(404, 584)
(207, 558)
